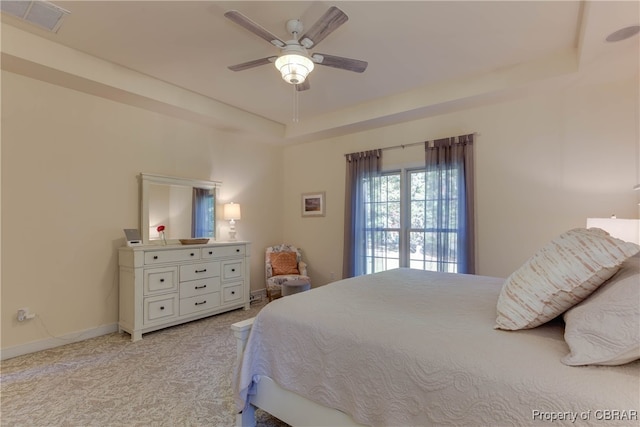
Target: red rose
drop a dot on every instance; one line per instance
(160, 228)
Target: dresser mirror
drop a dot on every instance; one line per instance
(185, 207)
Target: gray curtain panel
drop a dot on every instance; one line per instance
(359, 166)
(452, 160)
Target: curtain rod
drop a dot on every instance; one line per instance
(393, 147)
(403, 146)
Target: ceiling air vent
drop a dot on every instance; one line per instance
(41, 13)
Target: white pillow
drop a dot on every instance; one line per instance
(604, 329)
(560, 275)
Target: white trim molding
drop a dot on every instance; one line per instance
(34, 346)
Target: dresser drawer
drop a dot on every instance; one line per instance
(160, 308)
(171, 255)
(159, 280)
(232, 269)
(232, 293)
(222, 251)
(199, 303)
(201, 270)
(199, 287)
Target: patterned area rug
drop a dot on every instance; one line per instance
(180, 376)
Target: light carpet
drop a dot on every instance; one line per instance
(179, 376)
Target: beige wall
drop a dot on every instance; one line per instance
(544, 164)
(70, 163)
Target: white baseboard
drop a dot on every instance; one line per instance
(32, 347)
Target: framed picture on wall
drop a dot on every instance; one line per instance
(313, 204)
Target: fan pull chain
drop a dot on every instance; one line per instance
(295, 104)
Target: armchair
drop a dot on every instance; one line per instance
(283, 263)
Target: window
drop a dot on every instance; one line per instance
(412, 220)
(420, 218)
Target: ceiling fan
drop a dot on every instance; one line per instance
(294, 62)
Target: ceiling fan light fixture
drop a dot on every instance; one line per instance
(294, 67)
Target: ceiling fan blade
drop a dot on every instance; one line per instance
(305, 85)
(255, 28)
(328, 23)
(251, 64)
(349, 64)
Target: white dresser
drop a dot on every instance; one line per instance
(162, 286)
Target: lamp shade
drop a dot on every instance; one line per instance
(294, 67)
(623, 229)
(232, 211)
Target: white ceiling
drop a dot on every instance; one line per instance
(421, 54)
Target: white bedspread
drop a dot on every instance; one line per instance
(407, 347)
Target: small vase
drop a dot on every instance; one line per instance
(164, 240)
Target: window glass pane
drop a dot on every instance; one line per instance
(394, 187)
(417, 264)
(380, 212)
(431, 191)
(394, 215)
(416, 245)
(417, 185)
(392, 239)
(417, 214)
(431, 221)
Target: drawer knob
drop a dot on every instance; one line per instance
(201, 287)
(155, 257)
(233, 270)
(161, 280)
(201, 271)
(200, 303)
(233, 292)
(210, 252)
(162, 307)
(191, 254)
(237, 250)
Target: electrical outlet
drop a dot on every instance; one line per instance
(23, 314)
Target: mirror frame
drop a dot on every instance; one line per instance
(147, 179)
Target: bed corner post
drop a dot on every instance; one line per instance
(241, 332)
(247, 417)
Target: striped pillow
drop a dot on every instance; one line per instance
(560, 275)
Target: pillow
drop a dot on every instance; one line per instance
(604, 329)
(284, 263)
(560, 275)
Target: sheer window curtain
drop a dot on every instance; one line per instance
(452, 161)
(359, 166)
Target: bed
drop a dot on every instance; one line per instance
(409, 347)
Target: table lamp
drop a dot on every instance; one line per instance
(232, 213)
